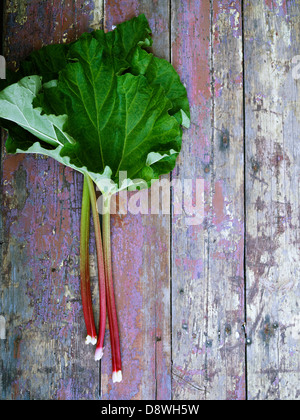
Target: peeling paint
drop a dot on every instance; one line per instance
(19, 9)
(97, 14)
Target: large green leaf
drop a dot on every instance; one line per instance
(117, 120)
(46, 62)
(115, 107)
(32, 132)
(126, 45)
(160, 72)
(122, 42)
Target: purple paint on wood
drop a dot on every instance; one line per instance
(227, 260)
(279, 7)
(127, 240)
(118, 11)
(208, 259)
(33, 24)
(272, 153)
(191, 57)
(41, 219)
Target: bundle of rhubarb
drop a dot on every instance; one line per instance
(102, 105)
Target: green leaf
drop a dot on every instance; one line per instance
(50, 60)
(11, 77)
(122, 42)
(46, 62)
(16, 107)
(114, 108)
(160, 72)
(128, 41)
(31, 132)
(117, 120)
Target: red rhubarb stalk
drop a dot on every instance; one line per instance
(101, 271)
(110, 296)
(85, 268)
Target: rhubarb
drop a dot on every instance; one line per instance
(101, 270)
(85, 267)
(111, 305)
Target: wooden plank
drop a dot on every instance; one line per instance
(272, 36)
(141, 264)
(208, 265)
(227, 234)
(43, 355)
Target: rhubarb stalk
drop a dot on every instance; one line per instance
(110, 296)
(101, 271)
(85, 268)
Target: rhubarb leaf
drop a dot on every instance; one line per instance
(114, 108)
(122, 42)
(101, 105)
(160, 72)
(46, 62)
(31, 132)
(117, 120)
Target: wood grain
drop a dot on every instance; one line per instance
(272, 36)
(208, 279)
(226, 232)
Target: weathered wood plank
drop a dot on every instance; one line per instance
(227, 234)
(272, 36)
(141, 263)
(207, 271)
(44, 355)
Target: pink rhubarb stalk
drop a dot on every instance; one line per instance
(101, 271)
(85, 268)
(110, 296)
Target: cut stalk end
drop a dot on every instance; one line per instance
(91, 340)
(117, 377)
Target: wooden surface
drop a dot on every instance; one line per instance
(207, 312)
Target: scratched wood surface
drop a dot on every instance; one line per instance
(207, 311)
(208, 305)
(272, 36)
